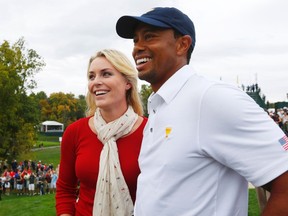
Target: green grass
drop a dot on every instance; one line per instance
(253, 208)
(46, 144)
(48, 155)
(46, 141)
(42, 137)
(14, 205)
(28, 206)
(45, 205)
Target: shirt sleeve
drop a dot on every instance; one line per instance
(238, 133)
(67, 182)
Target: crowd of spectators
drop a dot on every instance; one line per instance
(280, 116)
(27, 178)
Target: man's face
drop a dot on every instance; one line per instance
(155, 54)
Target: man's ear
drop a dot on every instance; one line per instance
(184, 44)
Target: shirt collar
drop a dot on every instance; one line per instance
(173, 85)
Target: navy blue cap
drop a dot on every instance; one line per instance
(163, 17)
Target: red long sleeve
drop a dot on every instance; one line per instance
(80, 153)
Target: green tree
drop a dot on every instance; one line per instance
(36, 100)
(18, 67)
(81, 107)
(145, 91)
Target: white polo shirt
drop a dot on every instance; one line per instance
(202, 142)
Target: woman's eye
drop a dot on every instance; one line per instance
(91, 77)
(106, 74)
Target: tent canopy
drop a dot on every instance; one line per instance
(51, 126)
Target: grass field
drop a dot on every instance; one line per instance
(45, 205)
(47, 141)
(28, 206)
(14, 205)
(48, 155)
(253, 208)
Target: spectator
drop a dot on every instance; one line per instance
(285, 121)
(32, 184)
(54, 178)
(1, 187)
(14, 165)
(276, 118)
(48, 181)
(19, 183)
(7, 184)
(41, 183)
(12, 182)
(25, 176)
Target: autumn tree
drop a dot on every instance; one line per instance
(18, 66)
(60, 107)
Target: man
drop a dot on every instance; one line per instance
(204, 139)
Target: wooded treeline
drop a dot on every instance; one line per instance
(21, 111)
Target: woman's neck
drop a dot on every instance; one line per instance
(112, 114)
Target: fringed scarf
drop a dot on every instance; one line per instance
(112, 197)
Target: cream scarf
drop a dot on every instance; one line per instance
(112, 197)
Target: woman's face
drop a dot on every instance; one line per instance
(107, 85)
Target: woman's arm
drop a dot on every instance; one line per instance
(67, 181)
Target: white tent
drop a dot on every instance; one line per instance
(51, 126)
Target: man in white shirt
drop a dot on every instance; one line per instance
(204, 139)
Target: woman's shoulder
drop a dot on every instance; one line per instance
(145, 119)
(75, 130)
(80, 121)
(78, 124)
(139, 125)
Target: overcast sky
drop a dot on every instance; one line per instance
(244, 40)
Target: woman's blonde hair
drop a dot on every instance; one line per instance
(121, 63)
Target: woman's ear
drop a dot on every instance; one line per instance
(128, 86)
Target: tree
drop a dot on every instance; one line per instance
(18, 67)
(36, 100)
(145, 92)
(62, 108)
(81, 107)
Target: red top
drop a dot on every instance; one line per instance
(80, 153)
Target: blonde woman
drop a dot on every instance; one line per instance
(100, 151)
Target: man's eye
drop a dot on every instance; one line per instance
(148, 36)
(135, 40)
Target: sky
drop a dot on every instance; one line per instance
(237, 41)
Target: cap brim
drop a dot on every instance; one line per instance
(126, 25)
